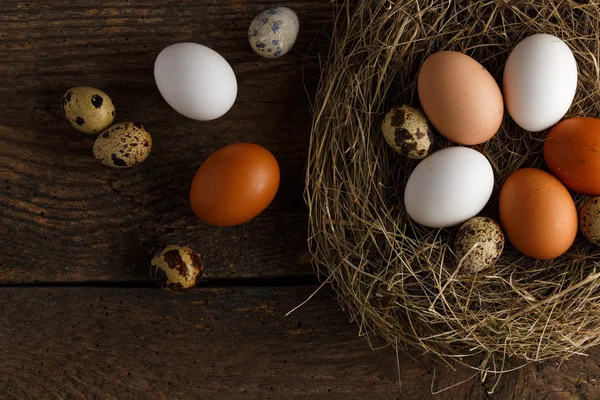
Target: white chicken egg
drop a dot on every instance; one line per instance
(195, 80)
(449, 187)
(540, 79)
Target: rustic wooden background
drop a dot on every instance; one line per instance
(79, 316)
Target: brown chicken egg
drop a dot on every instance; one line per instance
(572, 153)
(538, 214)
(460, 98)
(234, 184)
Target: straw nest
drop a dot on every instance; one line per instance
(400, 281)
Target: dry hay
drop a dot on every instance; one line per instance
(399, 280)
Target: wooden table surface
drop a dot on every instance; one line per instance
(79, 315)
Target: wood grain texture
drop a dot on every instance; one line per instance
(66, 218)
(85, 230)
(210, 343)
(230, 343)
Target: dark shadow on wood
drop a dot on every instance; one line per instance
(208, 283)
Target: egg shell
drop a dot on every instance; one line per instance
(273, 32)
(460, 97)
(123, 145)
(538, 214)
(479, 243)
(408, 132)
(589, 220)
(449, 187)
(540, 80)
(195, 80)
(176, 268)
(234, 184)
(89, 110)
(572, 153)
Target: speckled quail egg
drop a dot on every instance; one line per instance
(176, 268)
(480, 242)
(123, 145)
(273, 32)
(408, 132)
(589, 220)
(89, 110)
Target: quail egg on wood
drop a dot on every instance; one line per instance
(273, 32)
(123, 145)
(589, 220)
(87, 109)
(479, 243)
(408, 132)
(176, 268)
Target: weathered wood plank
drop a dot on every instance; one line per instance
(229, 343)
(52, 44)
(66, 218)
(210, 343)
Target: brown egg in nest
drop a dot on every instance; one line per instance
(460, 97)
(537, 213)
(408, 132)
(176, 268)
(589, 220)
(479, 243)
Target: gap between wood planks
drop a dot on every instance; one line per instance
(208, 283)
